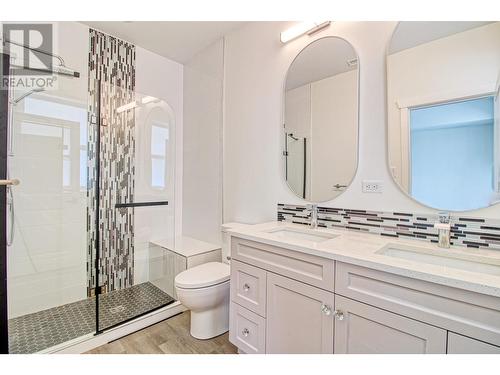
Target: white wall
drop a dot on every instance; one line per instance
(255, 66)
(334, 140)
(202, 160)
(449, 68)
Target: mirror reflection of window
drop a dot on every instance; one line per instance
(66, 123)
(452, 154)
(159, 144)
(443, 132)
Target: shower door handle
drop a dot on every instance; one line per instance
(339, 187)
(12, 182)
(141, 204)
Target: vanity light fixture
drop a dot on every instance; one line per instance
(308, 27)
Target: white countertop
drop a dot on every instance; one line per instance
(186, 246)
(360, 249)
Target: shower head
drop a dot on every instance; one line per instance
(17, 100)
(61, 69)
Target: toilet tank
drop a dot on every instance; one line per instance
(226, 240)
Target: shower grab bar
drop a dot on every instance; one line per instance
(141, 204)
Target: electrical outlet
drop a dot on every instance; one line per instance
(372, 186)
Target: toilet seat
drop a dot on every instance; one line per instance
(202, 276)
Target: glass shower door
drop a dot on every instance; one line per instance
(46, 217)
(89, 223)
(132, 274)
(296, 163)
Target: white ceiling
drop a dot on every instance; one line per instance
(176, 40)
(321, 59)
(410, 34)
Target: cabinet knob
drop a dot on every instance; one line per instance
(325, 309)
(339, 314)
(246, 287)
(245, 332)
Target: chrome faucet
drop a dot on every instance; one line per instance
(313, 208)
(444, 228)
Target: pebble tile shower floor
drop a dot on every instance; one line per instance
(43, 329)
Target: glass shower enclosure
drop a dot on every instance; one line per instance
(95, 165)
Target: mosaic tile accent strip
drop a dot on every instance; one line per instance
(44, 329)
(111, 64)
(465, 231)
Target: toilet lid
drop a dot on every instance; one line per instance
(204, 275)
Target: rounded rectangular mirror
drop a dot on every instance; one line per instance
(320, 129)
(443, 125)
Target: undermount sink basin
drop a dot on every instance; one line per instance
(472, 263)
(310, 235)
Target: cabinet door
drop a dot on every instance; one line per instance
(458, 344)
(299, 317)
(364, 329)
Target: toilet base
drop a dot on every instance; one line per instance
(210, 323)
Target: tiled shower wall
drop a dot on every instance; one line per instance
(112, 66)
(465, 231)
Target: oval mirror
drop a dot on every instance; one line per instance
(442, 97)
(320, 147)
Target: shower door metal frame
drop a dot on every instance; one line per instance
(97, 245)
(4, 118)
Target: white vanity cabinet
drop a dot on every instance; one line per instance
(285, 301)
(282, 301)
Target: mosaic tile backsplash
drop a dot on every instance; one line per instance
(465, 231)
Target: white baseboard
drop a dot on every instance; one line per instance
(90, 341)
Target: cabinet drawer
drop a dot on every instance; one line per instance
(247, 330)
(365, 329)
(458, 344)
(248, 287)
(307, 268)
(468, 313)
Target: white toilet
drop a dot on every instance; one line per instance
(204, 290)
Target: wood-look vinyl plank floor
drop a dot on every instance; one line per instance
(169, 336)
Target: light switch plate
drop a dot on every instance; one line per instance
(372, 186)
